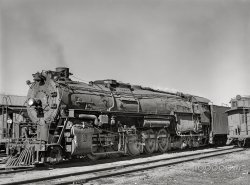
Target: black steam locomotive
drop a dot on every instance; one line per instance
(109, 118)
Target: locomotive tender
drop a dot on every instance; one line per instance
(108, 118)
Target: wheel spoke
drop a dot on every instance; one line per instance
(163, 142)
(150, 142)
(133, 146)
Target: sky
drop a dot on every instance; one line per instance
(200, 47)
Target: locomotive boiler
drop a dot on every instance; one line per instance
(105, 118)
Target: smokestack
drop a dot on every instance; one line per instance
(64, 72)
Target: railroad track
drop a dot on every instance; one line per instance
(16, 170)
(87, 173)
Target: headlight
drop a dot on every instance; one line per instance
(9, 121)
(31, 102)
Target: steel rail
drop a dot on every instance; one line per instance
(122, 168)
(139, 167)
(16, 170)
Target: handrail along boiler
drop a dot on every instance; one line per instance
(105, 118)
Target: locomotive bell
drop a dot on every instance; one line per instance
(238, 97)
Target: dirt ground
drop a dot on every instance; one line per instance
(229, 169)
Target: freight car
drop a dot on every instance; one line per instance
(12, 112)
(239, 121)
(107, 118)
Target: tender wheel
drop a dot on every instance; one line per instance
(133, 146)
(163, 140)
(150, 142)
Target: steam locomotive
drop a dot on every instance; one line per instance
(109, 118)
